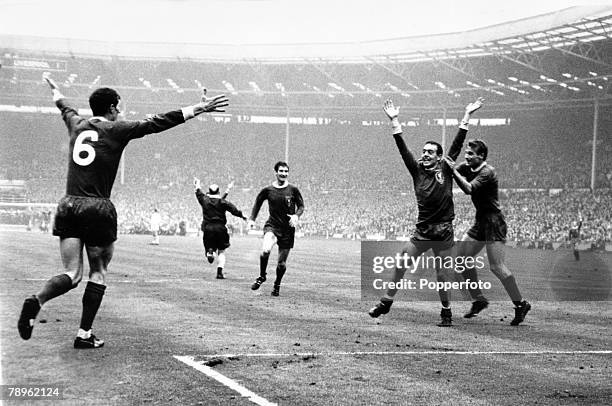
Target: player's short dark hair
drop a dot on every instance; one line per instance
(279, 164)
(479, 147)
(102, 99)
(439, 149)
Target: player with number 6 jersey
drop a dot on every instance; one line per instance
(85, 217)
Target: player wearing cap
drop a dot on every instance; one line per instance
(214, 231)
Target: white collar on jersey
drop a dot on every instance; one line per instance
(99, 118)
(214, 196)
(276, 185)
(482, 165)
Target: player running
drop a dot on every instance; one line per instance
(433, 185)
(285, 205)
(478, 179)
(86, 217)
(214, 232)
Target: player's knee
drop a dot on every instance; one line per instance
(75, 279)
(97, 277)
(75, 276)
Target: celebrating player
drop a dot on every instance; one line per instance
(214, 232)
(285, 205)
(433, 186)
(479, 180)
(86, 217)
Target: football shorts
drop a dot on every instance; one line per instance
(285, 237)
(91, 219)
(489, 228)
(438, 237)
(215, 236)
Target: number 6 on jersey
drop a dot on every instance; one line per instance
(80, 146)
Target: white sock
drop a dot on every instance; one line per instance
(221, 260)
(84, 334)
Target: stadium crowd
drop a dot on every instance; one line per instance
(351, 176)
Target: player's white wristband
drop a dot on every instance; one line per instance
(464, 124)
(188, 112)
(57, 95)
(397, 127)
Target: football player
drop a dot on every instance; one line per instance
(479, 180)
(285, 205)
(214, 232)
(433, 185)
(86, 217)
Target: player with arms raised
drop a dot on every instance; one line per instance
(285, 205)
(86, 217)
(214, 231)
(433, 186)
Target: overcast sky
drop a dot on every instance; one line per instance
(259, 21)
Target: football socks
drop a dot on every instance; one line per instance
(91, 303)
(56, 286)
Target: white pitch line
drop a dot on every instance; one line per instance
(341, 353)
(230, 383)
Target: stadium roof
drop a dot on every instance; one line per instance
(337, 55)
(276, 31)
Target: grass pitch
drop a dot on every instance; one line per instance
(313, 345)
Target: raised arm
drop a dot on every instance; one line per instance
(198, 190)
(162, 122)
(227, 190)
(393, 112)
(69, 114)
(457, 144)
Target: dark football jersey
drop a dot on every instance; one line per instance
(433, 187)
(282, 201)
(214, 208)
(485, 188)
(96, 146)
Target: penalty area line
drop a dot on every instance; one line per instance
(230, 383)
(383, 353)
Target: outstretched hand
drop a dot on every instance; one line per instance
(196, 183)
(472, 107)
(214, 104)
(47, 78)
(390, 110)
